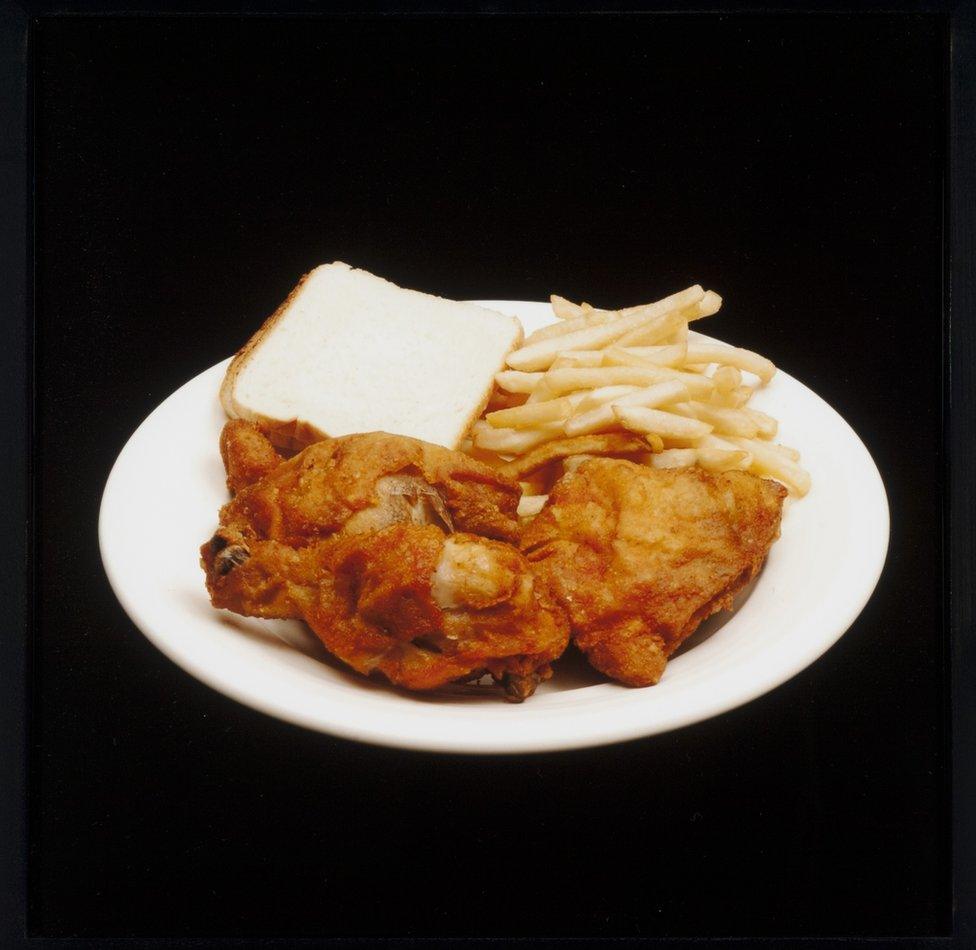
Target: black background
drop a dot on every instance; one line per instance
(190, 170)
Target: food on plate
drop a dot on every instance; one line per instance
(365, 482)
(640, 556)
(660, 318)
(637, 371)
(612, 482)
(617, 444)
(397, 554)
(349, 352)
(425, 608)
(351, 485)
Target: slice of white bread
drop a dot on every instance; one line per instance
(350, 352)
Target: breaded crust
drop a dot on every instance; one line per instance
(316, 493)
(639, 556)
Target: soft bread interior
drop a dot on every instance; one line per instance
(350, 352)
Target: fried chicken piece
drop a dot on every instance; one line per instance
(354, 484)
(364, 482)
(425, 608)
(246, 453)
(639, 557)
(377, 541)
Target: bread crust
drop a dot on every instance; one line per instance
(476, 415)
(294, 434)
(243, 355)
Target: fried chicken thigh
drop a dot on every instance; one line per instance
(426, 608)
(396, 552)
(639, 557)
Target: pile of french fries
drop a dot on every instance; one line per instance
(630, 383)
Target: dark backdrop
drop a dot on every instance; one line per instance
(189, 170)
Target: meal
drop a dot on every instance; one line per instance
(445, 522)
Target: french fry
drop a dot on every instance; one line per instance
(675, 458)
(699, 387)
(563, 308)
(671, 355)
(735, 399)
(581, 358)
(740, 396)
(674, 302)
(654, 334)
(681, 334)
(587, 318)
(541, 393)
(709, 304)
(561, 381)
(656, 444)
(600, 397)
(513, 441)
(602, 417)
(540, 353)
(792, 454)
(530, 505)
(567, 380)
(512, 381)
(774, 464)
(499, 399)
(732, 356)
(715, 443)
(722, 460)
(610, 443)
(532, 414)
(723, 421)
(727, 378)
(766, 425)
(664, 424)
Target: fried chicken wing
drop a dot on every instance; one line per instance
(639, 557)
(396, 553)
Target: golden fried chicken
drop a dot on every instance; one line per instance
(639, 557)
(393, 551)
(425, 608)
(246, 453)
(362, 483)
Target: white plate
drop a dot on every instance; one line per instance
(161, 501)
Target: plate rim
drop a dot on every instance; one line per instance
(627, 728)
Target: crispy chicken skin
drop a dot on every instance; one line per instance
(392, 550)
(360, 483)
(247, 455)
(639, 557)
(425, 608)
